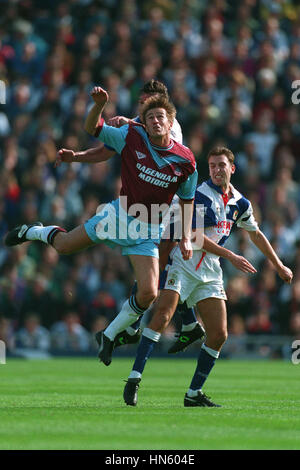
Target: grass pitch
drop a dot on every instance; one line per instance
(78, 404)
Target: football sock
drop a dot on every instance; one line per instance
(43, 234)
(148, 341)
(188, 317)
(206, 361)
(132, 329)
(188, 327)
(129, 313)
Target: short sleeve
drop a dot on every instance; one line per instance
(113, 137)
(187, 189)
(247, 220)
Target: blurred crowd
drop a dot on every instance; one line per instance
(230, 67)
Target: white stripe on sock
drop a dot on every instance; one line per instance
(134, 374)
(192, 393)
(211, 352)
(151, 334)
(189, 327)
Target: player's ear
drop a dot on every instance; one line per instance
(233, 168)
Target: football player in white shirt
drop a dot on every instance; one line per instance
(199, 282)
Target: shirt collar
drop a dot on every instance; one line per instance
(235, 194)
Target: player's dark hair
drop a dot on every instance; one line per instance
(154, 87)
(158, 101)
(217, 151)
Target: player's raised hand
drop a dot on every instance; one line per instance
(99, 95)
(242, 263)
(186, 248)
(118, 121)
(64, 155)
(285, 274)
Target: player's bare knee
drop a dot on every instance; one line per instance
(147, 296)
(160, 320)
(216, 339)
(223, 337)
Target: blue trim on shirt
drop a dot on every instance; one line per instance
(214, 186)
(160, 161)
(242, 205)
(209, 215)
(114, 136)
(187, 189)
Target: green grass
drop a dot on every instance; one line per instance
(78, 404)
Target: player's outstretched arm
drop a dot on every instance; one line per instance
(100, 97)
(266, 248)
(239, 262)
(93, 155)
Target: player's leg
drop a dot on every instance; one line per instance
(70, 242)
(64, 242)
(191, 329)
(146, 271)
(132, 333)
(214, 316)
(163, 312)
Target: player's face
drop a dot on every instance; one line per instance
(157, 122)
(220, 170)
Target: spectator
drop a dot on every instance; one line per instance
(69, 335)
(229, 67)
(32, 335)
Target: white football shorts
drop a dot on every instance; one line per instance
(194, 284)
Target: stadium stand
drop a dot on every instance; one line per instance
(230, 67)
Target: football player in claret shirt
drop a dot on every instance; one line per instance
(153, 169)
(198, 281)
(191, 329)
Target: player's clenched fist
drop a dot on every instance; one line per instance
(285, 273)
(99, 95)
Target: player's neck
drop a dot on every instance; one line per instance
(160, 140)
(226, 189)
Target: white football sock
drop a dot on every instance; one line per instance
(126, 317)
(189, 327)
(39, 233)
